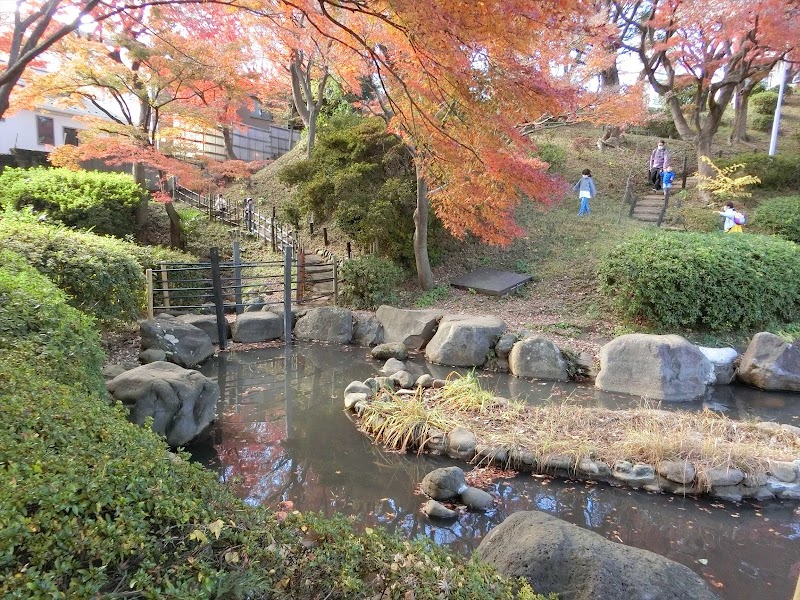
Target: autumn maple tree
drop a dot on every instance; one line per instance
(712, 48)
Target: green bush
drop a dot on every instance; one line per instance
(99, 274)
(659, 125)
(92, 506)
(761, 122)
(102, 202)
(711, 281)
(776, 172)
(554, 155)
(694, 218)
(779, 216)
(369, 281)
(765, 103)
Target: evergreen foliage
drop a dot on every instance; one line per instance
(369, 281)
(775, 172)
(102, 202)
(765, 103)
(363, 178)
(717, 281)
(779, 216)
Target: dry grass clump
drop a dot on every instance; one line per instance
(571, 433)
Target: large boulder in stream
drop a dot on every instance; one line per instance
(464, 340)
(770, 363)
(184, 344)
(538, 358)
(659, 367)
(414, 328)
(326, 324)
(182, 402)
(557, 556)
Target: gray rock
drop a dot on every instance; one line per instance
(594, 468)
(770, 363)
(358, 387)
(184, 344)
(477, 499)
(424, 381)
(678, 471)
(783, 470)
(660, 367)
(111, 371)
(182, 402)
(733, 493)
(558, 557)
(414, 328)
(385, 351)
(724, 477)
(294, 310)
(723, 360)
(634, 475)
(464, 340)
(444, 483)
(207, 323)
(255, 305)
(461, 443)
(404, 379)
(326, 324)
(256, 327)
(504, 345)
(152, 355)
(392, 366)
(436, 442)
(353, 398)
(368, 330)
(437, 510)
(538, 358)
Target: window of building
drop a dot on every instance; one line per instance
(45, 131)
(70, 136)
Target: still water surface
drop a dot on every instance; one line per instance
(282, 434)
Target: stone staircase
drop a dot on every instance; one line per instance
(649, 208)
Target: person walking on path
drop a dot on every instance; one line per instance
(659, 161)
(667, 177)
(221, 206)
(586, 191)
(733, 219)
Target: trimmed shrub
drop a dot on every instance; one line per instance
(711, 281)
(700, 219)
(93, 506)
(765, 103)
(761, 122)
(779, 216)
(102, 202)
(370, 281)
(554, 155)
(776, 172)
(99, 274)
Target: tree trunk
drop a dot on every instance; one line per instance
(175, 235)
(227, 138)
(141, 209)
(424, 274)
(312, 130)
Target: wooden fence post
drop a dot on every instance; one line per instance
(272, 222)
(325, 236)
(164, 282)
(149, 277)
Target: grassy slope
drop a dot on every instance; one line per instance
(560, 250)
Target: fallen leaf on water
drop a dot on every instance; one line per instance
(702, 561)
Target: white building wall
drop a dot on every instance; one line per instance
(19, 131)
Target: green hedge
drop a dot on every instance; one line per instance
(100, 274)
(92, 506)
(761, 122)
(369, 281)
(776, 172)
(711, 281)
(779, 216)
(765, 103)
(102, 202)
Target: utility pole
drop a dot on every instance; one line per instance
(776, 121)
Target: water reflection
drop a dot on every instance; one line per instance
(282, 435)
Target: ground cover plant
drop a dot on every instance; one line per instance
(779, 216)
(102, 202)
(93, 506)
(709, 281)
(567, 430)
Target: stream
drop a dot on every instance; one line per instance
(282, 435)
